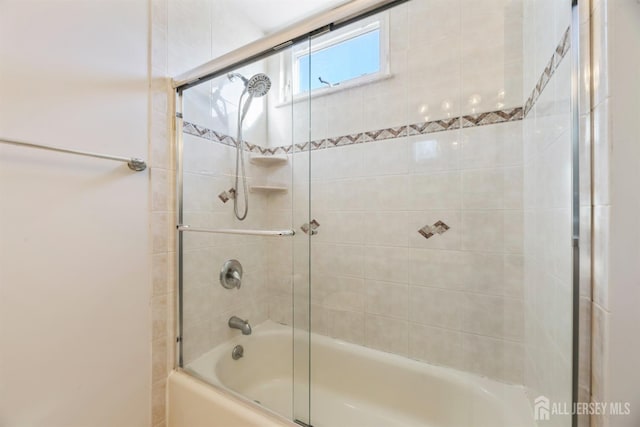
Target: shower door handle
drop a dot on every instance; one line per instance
(273, 233)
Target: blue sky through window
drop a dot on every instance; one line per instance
(343, 61)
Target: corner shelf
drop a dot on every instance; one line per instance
(276, 159)
(268, 189)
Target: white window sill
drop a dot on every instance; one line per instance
(349, 84)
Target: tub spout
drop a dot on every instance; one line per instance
(237, 323)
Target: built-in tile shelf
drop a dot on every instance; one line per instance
(266, 161)
(268, 189)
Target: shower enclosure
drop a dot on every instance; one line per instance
(406, 257)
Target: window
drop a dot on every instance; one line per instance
(347, 57)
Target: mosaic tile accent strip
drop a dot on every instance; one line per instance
(211, 135)
(561, 51)
(423, 128)
(430, 230)
(339, 141)
(433, 126)
(492, 117)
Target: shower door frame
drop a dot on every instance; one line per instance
(338, 18)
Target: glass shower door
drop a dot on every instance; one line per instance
(431, 187)
(244, 287)
(428, 280)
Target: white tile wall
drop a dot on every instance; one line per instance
(207, 305)
(371, 268)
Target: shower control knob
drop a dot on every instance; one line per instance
(231, 274)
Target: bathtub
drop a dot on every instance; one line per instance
(356, 386)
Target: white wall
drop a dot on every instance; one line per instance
(74, 266)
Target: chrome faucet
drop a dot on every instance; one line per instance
(237, 323)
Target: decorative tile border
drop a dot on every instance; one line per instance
(212, 135)
(492, 117)
(561, 51)
(422, 128)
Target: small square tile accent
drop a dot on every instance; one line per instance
(430, 230)
(426, 231)
(440, 227)
(310, 226)
(225, 196)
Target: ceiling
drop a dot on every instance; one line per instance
(272, 15)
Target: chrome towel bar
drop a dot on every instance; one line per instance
(134, 163)
(273, 233)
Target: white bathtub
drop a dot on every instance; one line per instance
(357, 386)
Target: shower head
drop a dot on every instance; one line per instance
(258, 85)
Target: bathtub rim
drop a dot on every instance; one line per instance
(238, 401)
(234, 395)
(491, 389)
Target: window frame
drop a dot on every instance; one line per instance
(377, 22)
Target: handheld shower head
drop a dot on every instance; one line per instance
(258, 85)
(255, 87)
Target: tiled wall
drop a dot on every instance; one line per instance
(454, 298)
(458, 298)
(447, 59)
(184, 34)
(378, 276)
(547, 199)
(208, 169)
(162, 166)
